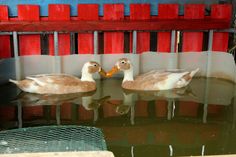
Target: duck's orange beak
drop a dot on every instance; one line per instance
(114, 70)
(102, 72)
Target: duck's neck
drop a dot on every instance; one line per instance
(128, 75)
(86, 76)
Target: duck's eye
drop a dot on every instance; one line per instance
(95, 65)
(122, 62)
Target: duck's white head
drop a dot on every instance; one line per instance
(124, 65)
(90, 68)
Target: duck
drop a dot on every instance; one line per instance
(154, 80)
(61, 83)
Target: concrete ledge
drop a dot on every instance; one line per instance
(63, 154)
(231, 155)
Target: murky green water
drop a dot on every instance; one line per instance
(197, 120)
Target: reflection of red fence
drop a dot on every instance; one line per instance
(194, 18)
(142, 109)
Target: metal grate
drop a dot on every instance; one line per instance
(52, 139)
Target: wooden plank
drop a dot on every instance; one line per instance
(113, 42)
(193, 41)
(140, 12)
(166, 11)
(5, 46)
(220, 40)
(109, 25)
(29, 44)
(85, 40)
(59, 12)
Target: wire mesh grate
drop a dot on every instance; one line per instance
(52, 139)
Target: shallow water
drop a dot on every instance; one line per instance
(197, 120)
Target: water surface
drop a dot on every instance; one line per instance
(196, 120)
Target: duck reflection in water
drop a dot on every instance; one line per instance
(130, 97)
(86, 99)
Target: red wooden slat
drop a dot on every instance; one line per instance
(4, 13)
(109, 110)
(166, 11)
(59, 12)
(188, 109)
(220, 40)
(66, 111)
(192, 41)
(113, 42)
(31, 112)
(140, 12)
(5, 47)
(85, 114)
(141, 108)
(161, 108)
(29, 44)
(7, 113)
(85, 40)
(111, 25)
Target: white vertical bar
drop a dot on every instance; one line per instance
(173, 39)
(58, 114)
(173, 108)
(134, 42)
(203, 150)
(57, 64)
(209, 55)
(15, 44)
(19, 115)
(95, 115)
(210, 40)
(169, 110)
(55, 35)
(208, 72)
(95, 42)
(132, 151)
(173, 62)
(177, 41)
(132, 114)
(205, 107)
(16, 56)
(171, 150)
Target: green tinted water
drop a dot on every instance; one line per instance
(197, 120)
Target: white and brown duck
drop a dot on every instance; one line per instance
(61, 83)
(152, 81)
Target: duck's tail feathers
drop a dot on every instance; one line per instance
(194, 72)
(14, 81)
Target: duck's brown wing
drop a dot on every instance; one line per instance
(55, 79)
(146, 81)
(61, 84)
(152, 75)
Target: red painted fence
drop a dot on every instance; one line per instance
(168, 18)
